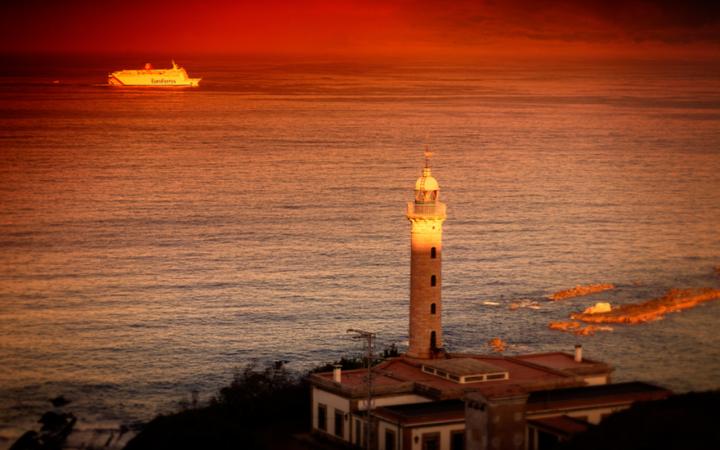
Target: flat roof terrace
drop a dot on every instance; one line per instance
(420, 376)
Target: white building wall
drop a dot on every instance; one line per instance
(357, 433)
(393, 400)
(338, 403)
(384, 426)
(444, 431)
(595, 380)
(333, 403)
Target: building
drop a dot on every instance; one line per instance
(429, 399)
(537, 420)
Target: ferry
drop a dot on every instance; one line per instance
(148, 76)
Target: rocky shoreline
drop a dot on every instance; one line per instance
(581, 290)
(59, 430)
(675, 300)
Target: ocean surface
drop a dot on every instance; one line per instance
(153, 241)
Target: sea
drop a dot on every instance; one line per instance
(155, 241)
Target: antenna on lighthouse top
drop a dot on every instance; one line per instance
(428, 155)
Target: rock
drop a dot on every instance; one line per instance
(578, 291)
(564, 326)
(59, 401)
(497, 345)
(673, 301)
(525, 303)
(590, 330)
(52, 421)
(598, 308)
(585, 331)
(55, 428)
(577, 329)
(28, 441)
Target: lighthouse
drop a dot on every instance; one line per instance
(432, 398)
(426, 214)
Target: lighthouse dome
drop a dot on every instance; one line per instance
(426, 188)
(426, 182)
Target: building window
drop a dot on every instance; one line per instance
(457, 440)
(339, 423)
(433, 280)
(433, 253)
(322, 417)
(432, 308)
(358, 432)
(433, 340)
(431, 441)
(389, 440)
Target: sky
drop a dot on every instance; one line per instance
(358, 27)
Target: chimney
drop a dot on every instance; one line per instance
(578, 353)
(337, 373)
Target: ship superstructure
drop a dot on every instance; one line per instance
(149, 76)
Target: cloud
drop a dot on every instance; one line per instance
(355, 25)
(576, 20)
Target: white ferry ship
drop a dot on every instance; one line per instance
(148, 76)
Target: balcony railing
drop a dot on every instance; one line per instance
(426, 210)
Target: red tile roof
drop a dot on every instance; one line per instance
(403, 374)
(560, 425)
(593, 396)
(566, 362)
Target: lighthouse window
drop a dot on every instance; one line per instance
(433, 340)
(433, 280)
(433, 253)
(432, 308)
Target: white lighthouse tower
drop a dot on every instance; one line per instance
(426, 214)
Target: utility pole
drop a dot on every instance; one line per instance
(369, 338)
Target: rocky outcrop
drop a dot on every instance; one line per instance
(577, 328)
(674, 300)
(59, 401)
(598, 308)
(55, 429)
(497, 345)
(526, 303)
(581, 290)
(564, 326)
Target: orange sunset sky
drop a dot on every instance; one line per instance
(365, 27)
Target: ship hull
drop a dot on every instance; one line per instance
(175, 77)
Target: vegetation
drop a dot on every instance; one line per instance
(261, 409)
(258, 410)
(358, 362)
